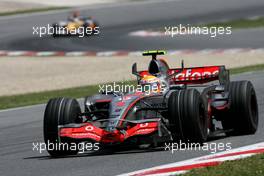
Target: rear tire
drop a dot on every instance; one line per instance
(187, 115)
(59, 111)
(242, 116)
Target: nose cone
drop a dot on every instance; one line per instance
(113, 137)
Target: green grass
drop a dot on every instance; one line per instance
(247, 69)
(240, 23)
(33, 10)
(78, 92)
(252, 166)
(43, 97)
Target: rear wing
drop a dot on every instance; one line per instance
(196, 75)
(154, 53)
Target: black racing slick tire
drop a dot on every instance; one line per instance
(187, 116)
(242, 116)
(59, 111)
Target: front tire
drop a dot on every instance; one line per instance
(59, 111)
(187, 115)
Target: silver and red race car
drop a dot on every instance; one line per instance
(173, 104)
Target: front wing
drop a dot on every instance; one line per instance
(87, 131)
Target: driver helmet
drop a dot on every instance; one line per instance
(150, 83)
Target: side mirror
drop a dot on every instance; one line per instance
(134, 69)
(223, 76)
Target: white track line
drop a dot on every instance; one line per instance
(207, 160)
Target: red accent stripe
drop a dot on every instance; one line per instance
(103, 100)
(29, 53)
(121, 53)
(178, 168)
(199, 165)
(59, 53)
(88, 53)
(3, 53)
(236, 153)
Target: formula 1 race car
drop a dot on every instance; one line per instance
(80, 26)
(173, 104)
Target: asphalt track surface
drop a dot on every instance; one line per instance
(118, 20)
(19, 128)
